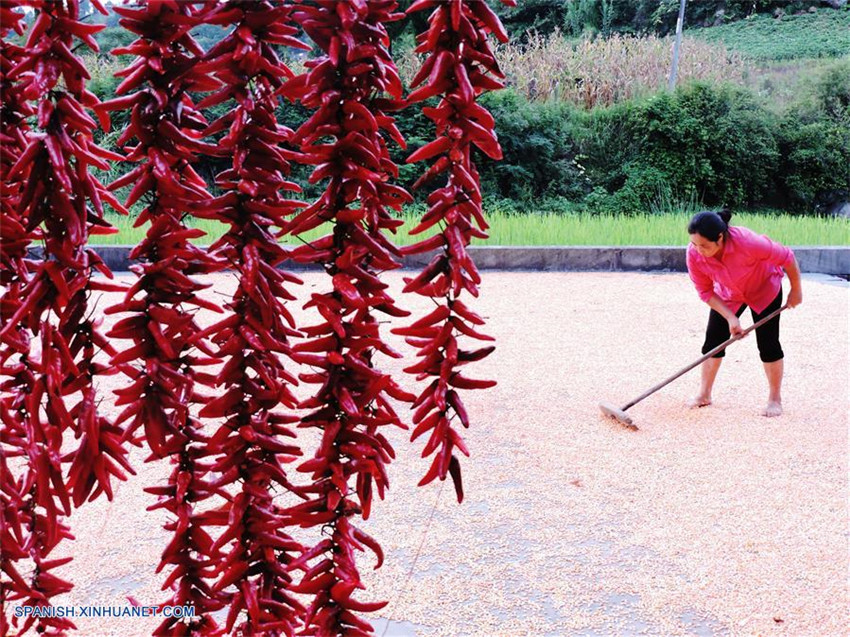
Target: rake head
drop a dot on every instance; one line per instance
(617, 414)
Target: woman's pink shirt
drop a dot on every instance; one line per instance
(749, 270)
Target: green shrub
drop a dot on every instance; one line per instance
(698, 145)
(113, 37)
(712, 144)
(814, 142)
(833, 92)
(716, 141)
(815, 168)
(538, 143)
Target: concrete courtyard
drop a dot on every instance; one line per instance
(715, 521)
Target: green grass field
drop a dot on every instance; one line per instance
(579, 229)
(823, 34)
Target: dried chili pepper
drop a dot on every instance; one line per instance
(459, 67)
(53, 197)
(163, 362)
(345, 140)
(249, 565)
(253, 339)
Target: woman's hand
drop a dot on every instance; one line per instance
(795, 296)
(735, 326)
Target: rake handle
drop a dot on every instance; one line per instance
(705, 357)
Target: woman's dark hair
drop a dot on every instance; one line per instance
(710, 224)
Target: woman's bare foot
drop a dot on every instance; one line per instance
(774, 408)
(700, 401)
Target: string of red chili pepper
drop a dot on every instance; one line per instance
(352, 403)
(253, 339)
(55, 392)
(459, 67)
(159, 308)
(18, 375)
(14, 111)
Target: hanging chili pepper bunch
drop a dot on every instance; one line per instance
(14, 111)
(459, 67)
(50, 195)
(55, 199)
(344, 139)
(17, 375)
(158, 312)
(253, 340)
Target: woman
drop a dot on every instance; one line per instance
(732, 268)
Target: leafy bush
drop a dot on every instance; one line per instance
(815, 168)
(700, 145)
(716, 141)
(814, 141)
(113, 37)
(712, 144)
(538, 143)
(833, 92)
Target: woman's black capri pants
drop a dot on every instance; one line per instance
(767, 336)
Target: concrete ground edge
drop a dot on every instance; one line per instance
(817, 259)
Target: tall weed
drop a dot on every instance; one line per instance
(601, 72)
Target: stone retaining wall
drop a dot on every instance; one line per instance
(823, 259)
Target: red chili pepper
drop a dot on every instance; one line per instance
(50, 299)
(457, 34)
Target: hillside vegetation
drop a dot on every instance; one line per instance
(822, 34)
(658, 17)
(760, 118)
